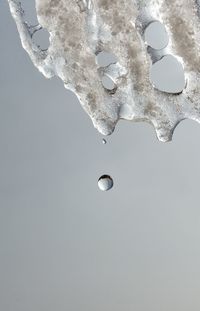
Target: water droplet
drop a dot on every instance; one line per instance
(105, 183)
(104, 141)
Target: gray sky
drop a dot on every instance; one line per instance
(64, 245)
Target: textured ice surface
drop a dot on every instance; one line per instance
(81, 29)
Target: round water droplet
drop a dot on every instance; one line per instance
(104, 141)
(105, 183)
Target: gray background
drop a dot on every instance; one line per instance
(64, 245)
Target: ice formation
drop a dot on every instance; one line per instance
(82, 29)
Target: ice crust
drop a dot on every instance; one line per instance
(81, 29)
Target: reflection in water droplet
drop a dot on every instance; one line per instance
(104, 141)
(105, 183)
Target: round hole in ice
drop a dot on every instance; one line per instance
(156, 35)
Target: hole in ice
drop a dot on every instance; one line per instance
(167, 75)
(30, 11)
(41, 38)
(156, 36)
(105, 183)
(105, 59)
(108, 83)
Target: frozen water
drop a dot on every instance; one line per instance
(80, 31)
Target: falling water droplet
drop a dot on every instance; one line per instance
(105, 183)
(104, 141)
